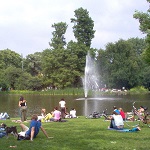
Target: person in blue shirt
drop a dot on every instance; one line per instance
(116, 110)
(33, 130)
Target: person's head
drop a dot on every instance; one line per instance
(56, 108)
(21, 98)
(114, 107)
(141, 107)
(62, 99)
(138, 129)
(34, 117)
(43, 110)
(120, 109)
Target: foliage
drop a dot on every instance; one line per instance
(138, 90)
(121, 64)
(144, 19)
(83, 27)
(58, 40)
(9, 58)
(80, 134)
(32, 63)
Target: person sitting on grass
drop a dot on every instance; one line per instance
(122, 113)
(56, 115)
(73, 113)
(43, 114)
(33, 130)
(45, 117)
(4, 116)
(116, 121)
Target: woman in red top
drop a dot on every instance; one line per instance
(122, 114)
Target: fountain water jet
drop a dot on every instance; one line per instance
(91, 77)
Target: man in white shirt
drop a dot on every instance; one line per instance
(62, 105)
(116, 121)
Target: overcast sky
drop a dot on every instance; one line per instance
(25, 25)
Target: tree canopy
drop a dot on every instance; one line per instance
(83, 27)
(144, 20)
(120, 64)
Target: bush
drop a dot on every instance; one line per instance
(138, 90)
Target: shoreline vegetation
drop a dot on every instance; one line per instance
(79, 134)
(80, 91)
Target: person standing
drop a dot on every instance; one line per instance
(62, 105)
(23, 108)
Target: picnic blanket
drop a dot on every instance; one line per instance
(125, 130)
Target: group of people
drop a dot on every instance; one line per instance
(117, 119)
(56, 114)
(35, 124)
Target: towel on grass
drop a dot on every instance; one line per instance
(126, 130)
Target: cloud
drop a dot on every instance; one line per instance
(25, 25)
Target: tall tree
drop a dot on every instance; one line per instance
(58, 40)
(144, 20)
(83, 27)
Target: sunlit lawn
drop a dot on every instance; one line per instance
(80, 134)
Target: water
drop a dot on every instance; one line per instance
(91, 77)
(83, 106)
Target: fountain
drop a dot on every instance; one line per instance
(91, 77)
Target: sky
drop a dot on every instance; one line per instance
(25, 25)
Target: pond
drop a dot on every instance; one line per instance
(9, 103)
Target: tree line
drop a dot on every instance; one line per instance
(121, 64)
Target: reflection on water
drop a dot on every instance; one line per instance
(98, 98)
(9, 103)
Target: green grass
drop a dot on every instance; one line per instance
(80, 134)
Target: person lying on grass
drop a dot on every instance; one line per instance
(33, 130)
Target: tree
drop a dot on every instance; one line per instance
(121, 64)
(32, 64)
(11, 75)
(9, 58)
(83, 27)
(58, 40)
(144, 20)
(23, 81)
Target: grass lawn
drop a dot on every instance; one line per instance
(80, 134)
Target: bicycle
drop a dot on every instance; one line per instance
(136, 118)
(97, 115)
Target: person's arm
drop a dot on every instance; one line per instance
(45, 133)
(24, 101)
(19, 104)
(32, 133)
